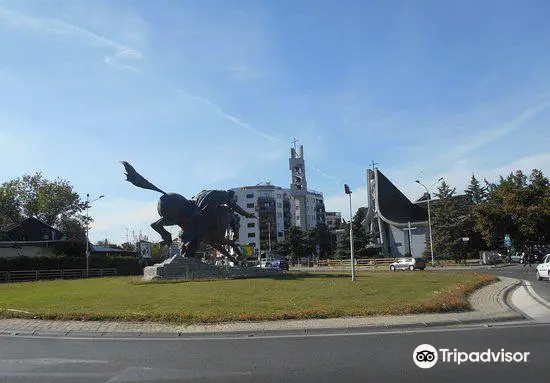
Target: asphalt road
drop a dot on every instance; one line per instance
(360, 357)
(542, 288)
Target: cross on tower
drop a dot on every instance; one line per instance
(373, 164)
(294, 141)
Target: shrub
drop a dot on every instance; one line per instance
(125, 265)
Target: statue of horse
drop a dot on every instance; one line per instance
(207, 226)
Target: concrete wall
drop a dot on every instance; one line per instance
(27, 251)
(419, 241)
(399, 241)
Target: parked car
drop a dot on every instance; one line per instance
(408, 263)
(518, 257)
(543, 268)
(280, 264)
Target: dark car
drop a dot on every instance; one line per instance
(280, 264)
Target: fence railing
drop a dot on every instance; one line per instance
(383, 262)
(37, 275)
(358, 262)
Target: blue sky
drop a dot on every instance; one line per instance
(208, 94)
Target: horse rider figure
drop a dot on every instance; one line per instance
(209, 202)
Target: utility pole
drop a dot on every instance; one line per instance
(430, 215)
(348, 192)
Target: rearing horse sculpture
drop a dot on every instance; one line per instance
(197, 226)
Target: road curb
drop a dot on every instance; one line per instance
(260, 333)
(507, 297)
(534, 294)
(502, 266)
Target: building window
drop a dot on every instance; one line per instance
(279, 215)
(279, 196)
(250, 205)
(279, 205)
(250, 195)
(251, 235)
(251, 224)
(280, 234)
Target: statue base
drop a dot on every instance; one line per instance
(180, 268)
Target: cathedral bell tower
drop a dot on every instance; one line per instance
(298, 187)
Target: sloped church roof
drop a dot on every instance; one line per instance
(393, 206)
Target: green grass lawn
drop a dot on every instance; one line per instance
(296, 295)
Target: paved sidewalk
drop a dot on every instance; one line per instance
(488, 303)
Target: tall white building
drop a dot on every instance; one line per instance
(278, 208)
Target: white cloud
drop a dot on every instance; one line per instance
(111, 60)
(221, 113)
(245, 72)
(482, 138)
(62, 28)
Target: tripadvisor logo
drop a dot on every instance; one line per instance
(426, 356)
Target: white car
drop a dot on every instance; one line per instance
(543, 268)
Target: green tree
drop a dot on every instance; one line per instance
(106, 243)
(10, 203)
(319, 235)
(53, 202)
(48, 200)
(343, 249)
(448, 222)
(128, 246)
(537, 224)
(476, 195)
(475, 192)
(361, 238)
(73, 227)
(295, 242)
(519, 206)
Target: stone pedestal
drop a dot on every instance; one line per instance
(180, 268)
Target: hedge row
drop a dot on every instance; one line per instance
(125, 265)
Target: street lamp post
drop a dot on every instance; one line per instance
(430, 216)
(88, 202)
(348, 192)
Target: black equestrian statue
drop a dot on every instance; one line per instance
(205, 220)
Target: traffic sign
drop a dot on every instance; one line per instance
(507, 241)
